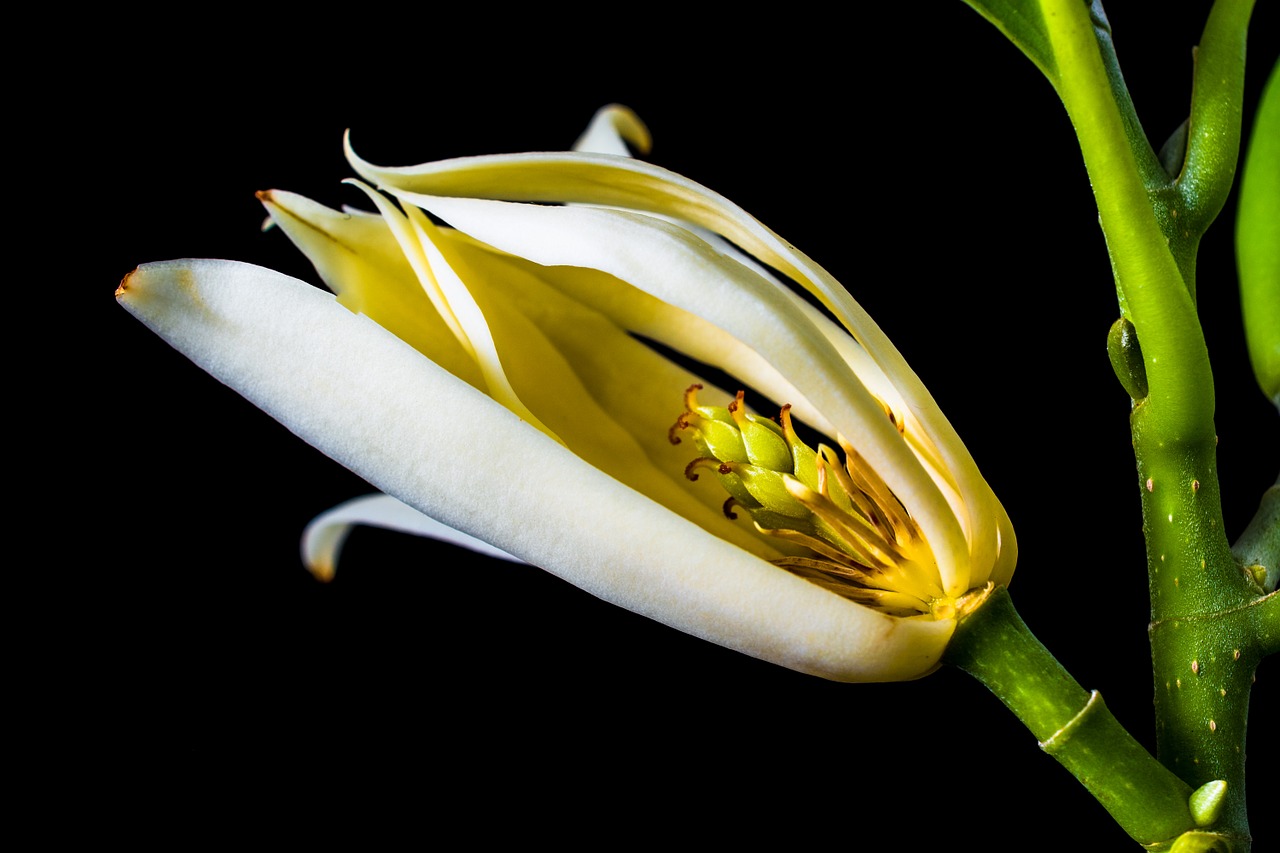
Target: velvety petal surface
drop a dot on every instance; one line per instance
(421, 435)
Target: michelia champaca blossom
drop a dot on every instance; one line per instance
(504, 379)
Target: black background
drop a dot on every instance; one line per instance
(913, 153)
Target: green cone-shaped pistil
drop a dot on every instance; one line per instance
(848, 531)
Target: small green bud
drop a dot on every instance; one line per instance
(1258, 574)
(1174, 151)
(1126, 358)
(1207, 801)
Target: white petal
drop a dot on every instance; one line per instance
(323, 539)
(414, 431)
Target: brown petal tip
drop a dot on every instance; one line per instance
(124, 284)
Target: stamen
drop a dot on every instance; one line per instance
(868, 481)
(826, 550)
(855, 497)
(863, 543)
(849, 574)
(727, 509)
(886, 600)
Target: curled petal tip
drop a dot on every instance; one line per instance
(123, 286)
(612, 128)
(325, 536)
(322, 571)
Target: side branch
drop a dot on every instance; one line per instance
(994, 645)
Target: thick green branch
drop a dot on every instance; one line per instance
(1205, 637)
(1202, 705)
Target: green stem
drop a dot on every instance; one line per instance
(1209, 624)
(1217, 103)
(1154, 295)
(1211, 621)
(1200, 599)
(994, 645)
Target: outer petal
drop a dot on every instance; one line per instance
(374, 404)
(323, 539)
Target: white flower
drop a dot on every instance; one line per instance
(495, 373)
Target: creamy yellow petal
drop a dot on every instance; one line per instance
(607, 396)
(681, 270)
(358, 258)
(416, 432)
(610, 399)
(613, 180)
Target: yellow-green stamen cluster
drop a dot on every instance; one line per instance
(848, 531)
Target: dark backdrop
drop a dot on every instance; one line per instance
(934, 173)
